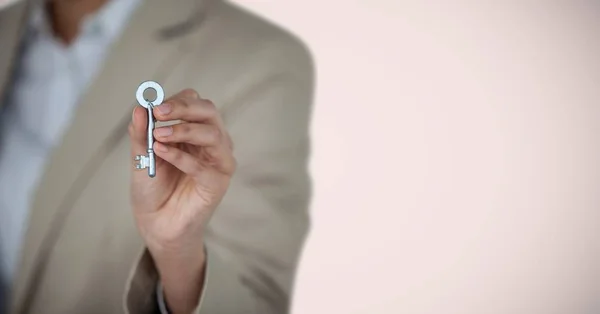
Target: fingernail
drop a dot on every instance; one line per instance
(159, 147)
(133, 114)
(164, 131)
(164, 108)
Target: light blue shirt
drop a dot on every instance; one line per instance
(47, 86)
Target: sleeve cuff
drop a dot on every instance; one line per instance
(160, 299)
(223, 292)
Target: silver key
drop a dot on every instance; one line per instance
(149, 161)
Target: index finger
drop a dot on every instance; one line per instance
(188, 106)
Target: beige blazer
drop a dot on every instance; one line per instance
(82, 253)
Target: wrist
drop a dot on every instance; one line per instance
(182, 281)
(179, 262)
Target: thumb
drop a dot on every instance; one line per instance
(144, 189)
(138, 131)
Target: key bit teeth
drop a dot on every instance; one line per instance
(143, 162)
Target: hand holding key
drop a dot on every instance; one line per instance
(193, 167)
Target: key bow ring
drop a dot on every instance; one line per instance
(149, 160)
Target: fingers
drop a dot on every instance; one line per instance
(190, 133)
(216, 150)
(183, 161)
(192, 165)
(187, 106)
(201, 129)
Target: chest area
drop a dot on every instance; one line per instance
(97, 244)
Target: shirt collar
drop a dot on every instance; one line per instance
(108, 21)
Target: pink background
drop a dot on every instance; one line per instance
(456, 156)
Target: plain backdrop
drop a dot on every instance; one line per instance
(456, 156)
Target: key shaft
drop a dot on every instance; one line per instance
(151, 157)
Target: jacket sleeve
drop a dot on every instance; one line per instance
(255, 236)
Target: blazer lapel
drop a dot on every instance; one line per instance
(12, 25)
(148, 49)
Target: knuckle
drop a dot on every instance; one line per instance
(191, 93)
(178, 108)
(196, 169)
(211, 109)
(184, 129)
(210, 104)
(175, 101)
(180, 103)
(189, 132)
(177, 155)
(213, 135)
